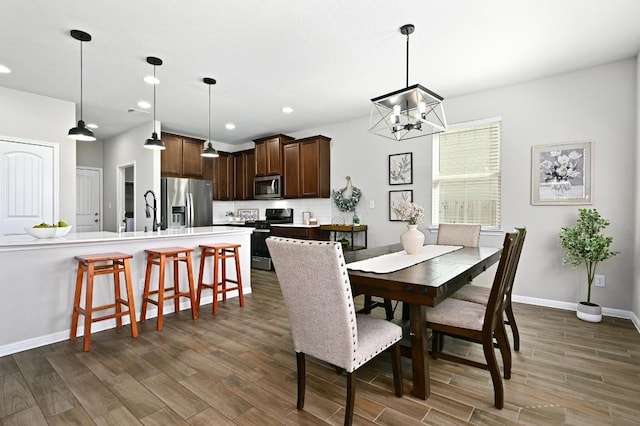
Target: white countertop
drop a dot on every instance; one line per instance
(13, 241)
(294, 225)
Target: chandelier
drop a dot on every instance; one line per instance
(408, 113)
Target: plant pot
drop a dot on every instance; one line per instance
(589, 312)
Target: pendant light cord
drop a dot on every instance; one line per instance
(407, 60)
(81, 43)
(154, 99)
(210, 115)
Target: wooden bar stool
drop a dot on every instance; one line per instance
(100, 264)
(160, 257)
(220, 253)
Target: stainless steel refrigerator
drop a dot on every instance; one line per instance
(185, 202)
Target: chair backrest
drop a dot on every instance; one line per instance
(496, 296)
(316, 289)
(522, 233)
(457, 234)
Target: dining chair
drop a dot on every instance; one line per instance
(316, 289)
(477, 294)
(477, 323)
(458, 234)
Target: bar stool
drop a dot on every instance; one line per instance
(100, 264)
(220, 253)
(160, 257)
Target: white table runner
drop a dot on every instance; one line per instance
(395, 261)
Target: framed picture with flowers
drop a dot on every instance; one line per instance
(561, 174)
(395, 198)
(401, 169)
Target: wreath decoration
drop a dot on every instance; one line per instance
(347, 204)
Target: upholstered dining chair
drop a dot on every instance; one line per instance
(458, 234)
(316, 289)
(477, 294)
(477, 323)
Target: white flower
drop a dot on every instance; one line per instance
(409, 212)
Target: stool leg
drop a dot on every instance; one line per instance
(147, 289)
(76, 302)
(88, 309)
(223, 281)
(176, 283)
(130, 303)
(192, 292)
(216, 283)
(163, 260)
(203, 257)
(239, 276)
(116, 290)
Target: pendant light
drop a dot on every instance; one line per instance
(81, 132)
(153, 142)
(209, 150)
(408, 113)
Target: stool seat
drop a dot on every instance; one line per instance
(100, 264)
(220, 253)
(160, 257)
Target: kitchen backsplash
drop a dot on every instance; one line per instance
(320, 208)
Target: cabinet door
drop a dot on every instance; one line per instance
(261, 158)
(223, 178)
(291, 174)
(249, 173)
(191, 158)
(171, 157)
(274, 154)
(315, 165)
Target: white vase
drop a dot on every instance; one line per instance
(412, 240)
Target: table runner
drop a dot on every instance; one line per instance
(395, 261)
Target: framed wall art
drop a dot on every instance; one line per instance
(248, 215)
(396, 197)
(561, 174)
(401, 168)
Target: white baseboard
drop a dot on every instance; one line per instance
(571, 306)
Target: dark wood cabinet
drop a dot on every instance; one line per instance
(301, 232)
(244, 168)
(307, 168)
(223, 175)
(268, 155)
(181, 158)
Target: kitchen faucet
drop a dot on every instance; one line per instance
(148, 209)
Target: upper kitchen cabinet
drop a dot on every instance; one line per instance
(307, 168)
(181, 158)
(268, 154)
(223, 176)
(244, 164)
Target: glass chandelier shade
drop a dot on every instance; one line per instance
(208, 150)
(154, 142)
(81, 132)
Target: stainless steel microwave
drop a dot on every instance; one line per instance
(265, 187)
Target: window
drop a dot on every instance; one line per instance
(466, 174)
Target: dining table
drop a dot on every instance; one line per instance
(424, 284)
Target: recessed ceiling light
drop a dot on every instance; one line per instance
(230, 126)
(151, 79)
(92, 125)
(4, 70)
(144, 104)
(287, 110)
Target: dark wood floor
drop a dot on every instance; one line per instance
(239, 369)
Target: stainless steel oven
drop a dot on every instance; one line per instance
(260, 258)
(267, 187)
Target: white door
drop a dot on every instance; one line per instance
(88, 200)
(27, 186)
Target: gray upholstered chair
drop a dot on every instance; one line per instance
(477, 323)
(458, 234)
(477, 294)
(316, 289)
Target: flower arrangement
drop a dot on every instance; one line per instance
(561, 167)
(409, 211)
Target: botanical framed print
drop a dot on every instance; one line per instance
(401, 169)
(561, 174)
(396, 197)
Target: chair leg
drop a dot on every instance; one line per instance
(492, 364)
(301, 379)
(351, 397)
(388, 309)
(367, 302)
(511, 320)
(505, 349)
(396, 365)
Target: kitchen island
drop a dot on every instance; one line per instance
(38, 278)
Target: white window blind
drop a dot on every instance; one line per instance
(466, 174)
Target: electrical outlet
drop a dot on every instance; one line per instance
(599, 281)
(372, 204)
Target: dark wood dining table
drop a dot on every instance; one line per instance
(424, 284)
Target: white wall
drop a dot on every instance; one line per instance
(124, 149)
(89, 154)
(39, 118)
(636, 274)
(596, 104)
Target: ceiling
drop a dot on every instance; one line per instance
(324, 58)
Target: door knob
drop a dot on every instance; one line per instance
(96, 221)
(95, 214)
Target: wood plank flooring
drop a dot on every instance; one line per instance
(238, 368)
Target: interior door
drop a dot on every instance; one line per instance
(88, 200)
(27, 186)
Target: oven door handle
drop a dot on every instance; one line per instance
(262, 231)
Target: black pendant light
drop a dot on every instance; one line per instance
(209, 150)
(153, 142)
(81, 132)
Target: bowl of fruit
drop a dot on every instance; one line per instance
(44, 230)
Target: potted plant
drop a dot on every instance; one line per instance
(586, 244)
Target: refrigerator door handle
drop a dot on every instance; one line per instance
(189, 212)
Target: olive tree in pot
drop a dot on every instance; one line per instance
(586, 244)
